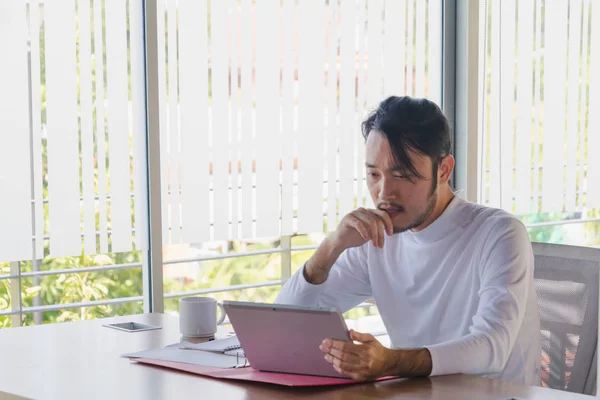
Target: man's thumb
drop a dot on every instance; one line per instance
(360, 337)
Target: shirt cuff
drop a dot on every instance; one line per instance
(435, 361)
(444, 359)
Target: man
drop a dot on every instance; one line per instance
(453, 281)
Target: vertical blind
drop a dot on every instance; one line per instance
(260, 109)
(261, 104)
(540, 127)
(72, 128)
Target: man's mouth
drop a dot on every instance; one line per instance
(391, 208)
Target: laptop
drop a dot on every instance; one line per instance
(285, 338)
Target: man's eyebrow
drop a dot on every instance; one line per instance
(397, 168)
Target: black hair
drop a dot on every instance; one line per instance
(411, 125)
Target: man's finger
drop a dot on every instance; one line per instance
(344, 356)
(345, 366)
(387, 220)
(372, 222)
(361, 337)
(347, 347)
(381, 233)
(359, 226)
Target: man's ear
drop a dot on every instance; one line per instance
(445, 169)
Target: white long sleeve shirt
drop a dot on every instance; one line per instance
(462, 288)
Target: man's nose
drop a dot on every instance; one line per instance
(387, 191)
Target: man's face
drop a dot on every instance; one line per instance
(409, 200)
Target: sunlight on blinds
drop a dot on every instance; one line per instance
(73, 109)
(15, 171)
(62, 139)
(269, 104)
(593, 171)
(119, 143)
(260, 111)
(539, 128)
(193, 70)
(36, 126)
(87, 127)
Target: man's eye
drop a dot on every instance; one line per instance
(407, 178)
(373, 174)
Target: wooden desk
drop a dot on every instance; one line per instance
(80, 360)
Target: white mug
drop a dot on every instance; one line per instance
(198, 316)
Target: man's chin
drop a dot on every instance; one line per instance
(400, 223)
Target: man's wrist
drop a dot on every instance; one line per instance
(331, 247)
(409, 362)
(316, 270)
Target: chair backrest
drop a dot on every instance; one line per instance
(566, 281)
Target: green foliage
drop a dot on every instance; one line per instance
(99, 285)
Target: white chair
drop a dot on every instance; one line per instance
(566, 282)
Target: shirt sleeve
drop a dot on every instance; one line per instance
(347, 285)
(506, 278)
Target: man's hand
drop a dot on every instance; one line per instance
(362, 225)
(355, 229)
(370, 360)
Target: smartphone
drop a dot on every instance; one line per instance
(132, 327)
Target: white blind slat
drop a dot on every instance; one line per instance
(36, 125)
(420, 49)
(267, 118)
(332, 110)
(493, 143)
(574, 55)
(15, 171)
(555, 70)
(247, 141)
(434, 64)
(235, 113)
(358, 169)
(311, 58)
(220, 119)
(287, 118)
(118, 125)
(138, 122)
(593, 169)
(193, 70)
(173, 122)
(394, 48)
(162, 107)
(583, 100)
(87, 129)
(524, 107)
(410, 45)
(347, 99)
(537, 103)
(508, 101)
(374, 49)
(482, 106)
(100, 125)
(63, 142)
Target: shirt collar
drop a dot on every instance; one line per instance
(445, 224)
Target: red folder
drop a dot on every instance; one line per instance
(250, 374)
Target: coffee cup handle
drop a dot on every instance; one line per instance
(222, 317)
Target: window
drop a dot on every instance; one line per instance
(261, 113)
(72, 160)
(260, 108)
(538, 125)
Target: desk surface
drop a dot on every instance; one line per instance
(80, 360)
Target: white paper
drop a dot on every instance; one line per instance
(221, 345)
(175, 354)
